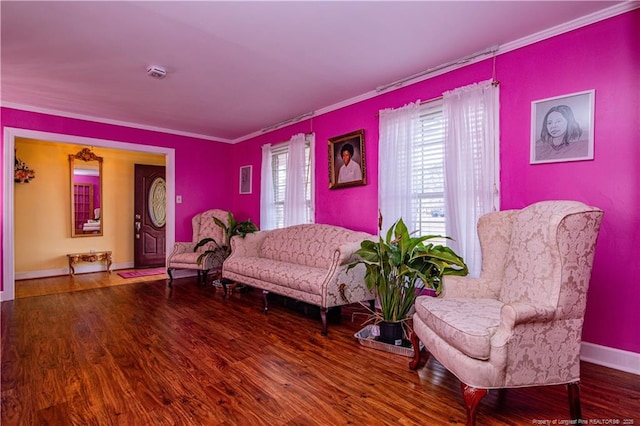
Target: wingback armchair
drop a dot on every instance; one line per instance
(184, 256)
(520, 323)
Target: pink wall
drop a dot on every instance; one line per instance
(603, 56)
(202, 178)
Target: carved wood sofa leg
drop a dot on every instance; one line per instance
(420, 357)
(472, 397)
(574, 400)
(170, 273)
(323, 315)
(266, 303)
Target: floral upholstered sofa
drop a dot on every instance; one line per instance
(304, 262)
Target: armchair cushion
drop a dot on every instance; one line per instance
(468, 324)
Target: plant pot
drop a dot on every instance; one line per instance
(427, 292)
(391, 333)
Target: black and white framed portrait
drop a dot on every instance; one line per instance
(562, 128)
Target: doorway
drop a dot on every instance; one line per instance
(10, 134)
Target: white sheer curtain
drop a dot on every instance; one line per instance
(311, 139)
(267, 217)
(471, 165)
(397, 127)
(295, 205)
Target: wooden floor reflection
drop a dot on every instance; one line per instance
(79, 282)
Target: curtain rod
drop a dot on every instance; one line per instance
(288, 121)
(460, 61)
(494, 83)
(439, 98)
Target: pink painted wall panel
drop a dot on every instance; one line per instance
(603, 56)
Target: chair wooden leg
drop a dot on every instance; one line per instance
(323, 315)
(266, 303)
(574, 401)
(472, 397)
(420, 356)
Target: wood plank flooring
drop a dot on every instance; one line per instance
(144, 354)
(79, 282)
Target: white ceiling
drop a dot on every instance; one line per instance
(237, 67)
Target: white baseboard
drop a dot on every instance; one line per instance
(80, 269)
(611, 357)
(92, 267)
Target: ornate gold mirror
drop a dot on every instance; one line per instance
(86, 194)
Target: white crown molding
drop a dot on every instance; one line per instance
(583, 21)
(618, 359)
(57, 113)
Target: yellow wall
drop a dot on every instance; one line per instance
(43, 206)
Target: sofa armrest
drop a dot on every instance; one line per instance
(346, 253)
(249, 246)
(477, 288)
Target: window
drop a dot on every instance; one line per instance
(439, 165)
(279, 172)
(427, 172)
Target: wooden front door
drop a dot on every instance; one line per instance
(150, 214)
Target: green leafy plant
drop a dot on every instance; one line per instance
(400, 265)
(231, 229)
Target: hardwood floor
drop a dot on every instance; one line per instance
(79, 282)
(144, 354)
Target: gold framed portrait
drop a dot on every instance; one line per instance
(347, 165)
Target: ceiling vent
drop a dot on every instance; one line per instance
(156, 72)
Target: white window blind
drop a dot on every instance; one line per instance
(427, 172)
(279, 170)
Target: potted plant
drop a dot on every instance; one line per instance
(398, 268)
(230, 229)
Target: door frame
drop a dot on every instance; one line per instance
(8, 237)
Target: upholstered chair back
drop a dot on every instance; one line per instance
(205, 227)
(539, 250)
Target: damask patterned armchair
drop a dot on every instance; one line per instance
(520, 323)
(183, 255)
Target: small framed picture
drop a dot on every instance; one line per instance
(245, 179)
(562, 128)
(347, 165)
